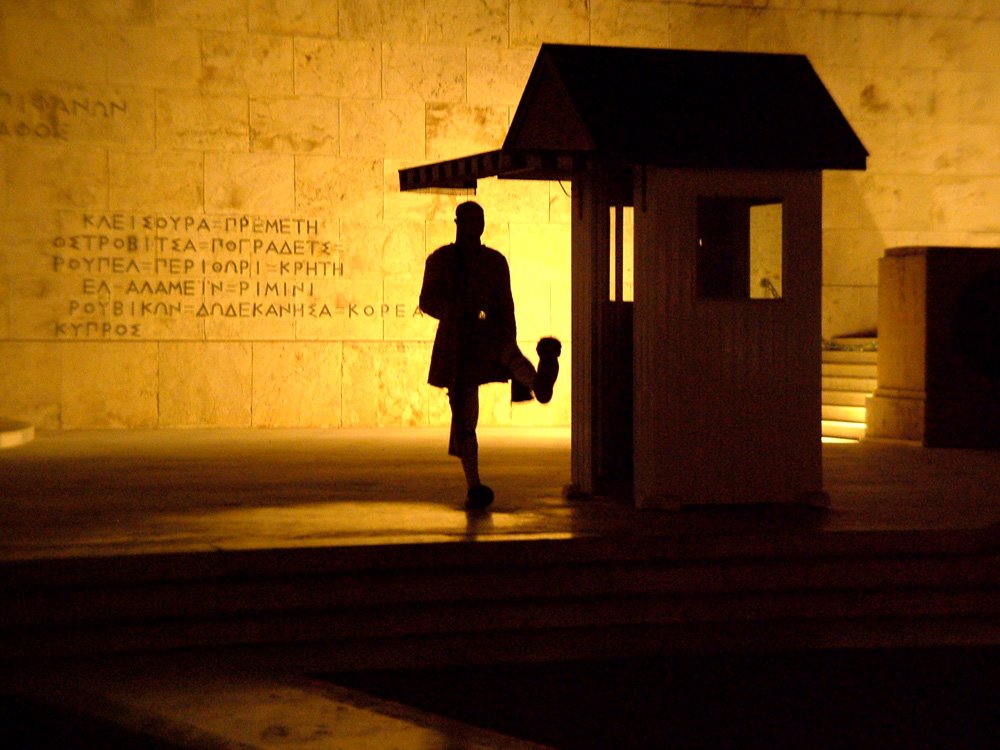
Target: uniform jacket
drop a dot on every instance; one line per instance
(468, 290)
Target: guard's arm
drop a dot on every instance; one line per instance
(505, 321)
(436, 292)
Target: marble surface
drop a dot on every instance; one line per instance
(463, 129)
(217, 15)
(341, 68)
(154, 56)
(295, 124)
(82, 176)
(110, 385)
(371, 127)
(56, 48)
(261, 63)
(498, 75)
(225, 108)
(157, 182)
(32, 399)
(297, 384)
(308, 17)
(190, 120)
(385, 386)
(200, 703)
(484, 23)
(102, 492)
(427, 73)
(342, 186)
(256, 184)
(203, 383)
(556, 21)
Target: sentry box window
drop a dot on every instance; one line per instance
(621, 221)
(739, 248)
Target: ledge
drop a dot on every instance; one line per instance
(14, 433)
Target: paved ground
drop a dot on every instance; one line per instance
(105, 493)
(114, 492)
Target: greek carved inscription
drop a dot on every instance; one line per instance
(131, 273)
(41, 114)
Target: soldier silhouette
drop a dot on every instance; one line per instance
(466, 286)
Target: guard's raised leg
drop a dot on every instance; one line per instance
(548, 350)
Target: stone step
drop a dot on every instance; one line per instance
(840, 429)
(855, 385)
(849, 375)
(360, 605)
(843, 398)
(841, 413)
(861, 343)
(401, 604)
(836, 355)
(850, 370)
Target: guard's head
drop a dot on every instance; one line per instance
(470, 220)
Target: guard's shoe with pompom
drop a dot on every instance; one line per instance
(548, 350)
(480, 497)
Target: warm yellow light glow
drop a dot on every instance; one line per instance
(621, 245)
(765, 251)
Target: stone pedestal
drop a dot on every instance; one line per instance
(939, 347)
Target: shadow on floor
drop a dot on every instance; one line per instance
(928, 698)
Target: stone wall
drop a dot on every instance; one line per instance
(200, 219)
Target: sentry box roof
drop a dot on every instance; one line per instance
(661, 107)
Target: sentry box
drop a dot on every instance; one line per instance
(696, 261)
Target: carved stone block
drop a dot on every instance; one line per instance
(31, 390)
(303, 17)
(326, 67)
(464, 129)
(939, 360)
(309, 124)
(205, 384)
(384, 384)
(383, 20)
(109, 384)
(254, 183)
(256, 63)
(483, 23)
(297, 384)
(46, 49)
(343, 312)
(433, 74)
(45, 177)
(404, 321)
(630, 24)
(157, 181)
(350, 188)
(401, 206)
(382, 128)
(188, 121)
(150, 56)
(535, 21)
(497, 76)
(218, 15)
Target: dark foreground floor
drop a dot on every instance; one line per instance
(941, 699)
(99, 495)
(30, 726)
